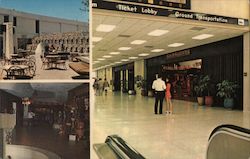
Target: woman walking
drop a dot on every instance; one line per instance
(168, 97)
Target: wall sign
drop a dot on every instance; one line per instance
(156, 11)
(183, 4)
(178, 54)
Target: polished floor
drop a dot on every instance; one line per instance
(181, 135)
(46, 138)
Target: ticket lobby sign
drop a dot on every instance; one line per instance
(183, 4)
(128, 7)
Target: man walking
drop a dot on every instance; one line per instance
(159, 86)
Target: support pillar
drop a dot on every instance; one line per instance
(246, 70)
(9, 45)
(2, 144)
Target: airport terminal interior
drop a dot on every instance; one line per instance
(45, 119)
(134, 41)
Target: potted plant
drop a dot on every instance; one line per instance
(208, 88)
(141, 84)
(227, 90)
(199, 89)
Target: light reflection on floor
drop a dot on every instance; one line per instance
(183, 134)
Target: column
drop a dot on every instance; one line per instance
(9, 40)
(246, 70)
(2, 143)
(139, 70)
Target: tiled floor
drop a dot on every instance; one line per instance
(48, 74)
(54, 73)
(181, 135)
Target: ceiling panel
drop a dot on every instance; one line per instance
(136, 27)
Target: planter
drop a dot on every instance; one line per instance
(144, 92)
(131, 92)
(200, 100)
(209, 100)
(228, 102)
(150, 93)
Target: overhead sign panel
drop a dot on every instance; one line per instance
(165, 12)
(183, 4)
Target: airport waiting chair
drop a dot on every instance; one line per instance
(45, 62)
(229, 142)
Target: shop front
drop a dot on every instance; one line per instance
(221, 60)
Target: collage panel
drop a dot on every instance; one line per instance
(44, 120)
(171, 79)
(43, 41)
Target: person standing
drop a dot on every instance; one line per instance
(100, 86)
(159, 87)
(95, 86)
(106, 86)
(168, 97)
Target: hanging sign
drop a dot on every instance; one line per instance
(124, 6)
(183, 4)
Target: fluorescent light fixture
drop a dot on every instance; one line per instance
(114, 53)
(124, 48)
(157, 50)
(124, 60)
(100, 59)
(105, 28)
(202, 36)
(133, 57)
(138, 42)
(118, 62)
(175, 44)
(143, 54)
(96, 39)
(107, 56)
(158, 32)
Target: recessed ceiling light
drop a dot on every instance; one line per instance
(118, 62)
(133, 57)
(124, 48)
(100, 59)
(143, 54)
(175, 44)
(96, 39)
(157, 50)
(158, 32)
(138, 42)
(124, 60)
(107, 56)
(202, 36)
(105, 28)
(114, 53)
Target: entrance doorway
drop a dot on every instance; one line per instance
(117, 81)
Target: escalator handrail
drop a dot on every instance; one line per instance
(124, 147)
(234, 127)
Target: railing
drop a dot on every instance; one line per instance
(116, 148)
(229, 142)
